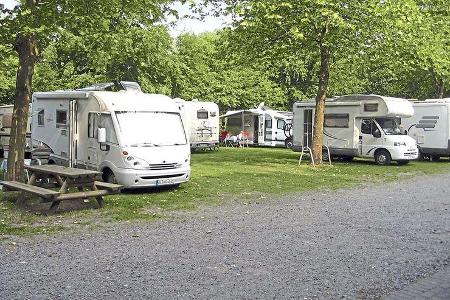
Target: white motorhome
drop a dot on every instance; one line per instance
(6, 112)
(134, 139)
(202, 123)
(358, 126)
(430, 127)
(262, 125)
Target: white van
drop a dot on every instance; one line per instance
(430, 127)
(358, 126)
(202, 123)
(263, 125)
(134, 139)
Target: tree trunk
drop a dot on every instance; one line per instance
(26, 47)
(320, 104)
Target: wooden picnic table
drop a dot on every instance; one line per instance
(64, 178)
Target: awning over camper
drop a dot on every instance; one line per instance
(239, 112)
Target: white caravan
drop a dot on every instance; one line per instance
(202, 123)
(430, 127)
(6, 112)
(263, 125)
(134, 139)
(358, 126)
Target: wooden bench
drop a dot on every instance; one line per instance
(23, 187)
(108, 186)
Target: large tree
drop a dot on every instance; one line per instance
(309, 30)
(33, 24)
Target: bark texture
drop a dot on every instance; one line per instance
(26, 47)
(320, 104)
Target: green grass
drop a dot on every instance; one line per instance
(249, 174)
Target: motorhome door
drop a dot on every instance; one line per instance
(261, 129)
(307, 127)
(53, 126)
(368, 143)
(93, 146)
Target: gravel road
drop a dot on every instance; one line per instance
(357, 243)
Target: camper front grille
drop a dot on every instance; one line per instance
(164, 166)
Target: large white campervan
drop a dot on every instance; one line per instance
(134, 139)
(358, 126)
(262, 125)
(202, 123)
(430, 127)
(6, 112)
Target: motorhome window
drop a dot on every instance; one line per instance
(336, 120)
(390, 126)
(371, 107)
(202, 114)
(366, 126)
(268, 123)
(107, 123)
(91, 125)
(161, 128)
(280, 124)
(40, 116)
(61, 117)
(212, 114)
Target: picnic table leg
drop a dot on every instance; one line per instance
(62, 190)
(21, 199)
(98, 198)
(32, 179)
(59, 180)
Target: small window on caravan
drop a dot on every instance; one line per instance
(92, 118)
(202, 114)
(61, 117)
(107, 123)
(371, 107)
(280, 123)
(40, 117)
(366, 126)
(336, 120)
(268, 123)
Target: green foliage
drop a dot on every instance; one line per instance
(204, 72)
(8, 66)
(137, 54)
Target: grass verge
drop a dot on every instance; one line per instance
(248, 174)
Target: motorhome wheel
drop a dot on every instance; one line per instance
(382, 157)
(289, 143)
(402, 162)
(108, 176)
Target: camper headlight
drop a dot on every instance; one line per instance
(399, 144)
(136, 163)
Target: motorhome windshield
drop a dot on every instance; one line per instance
(390, 126)
(151, 129)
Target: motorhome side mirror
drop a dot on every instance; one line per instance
(101, 135)
(376, 133)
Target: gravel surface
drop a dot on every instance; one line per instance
(358, 243)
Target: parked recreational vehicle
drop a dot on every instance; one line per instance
(6, 112)
(430, 127)
(263, 126)
(135, 139)
(202, 123)
(359, 126)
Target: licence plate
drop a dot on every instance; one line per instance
(165, 181)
